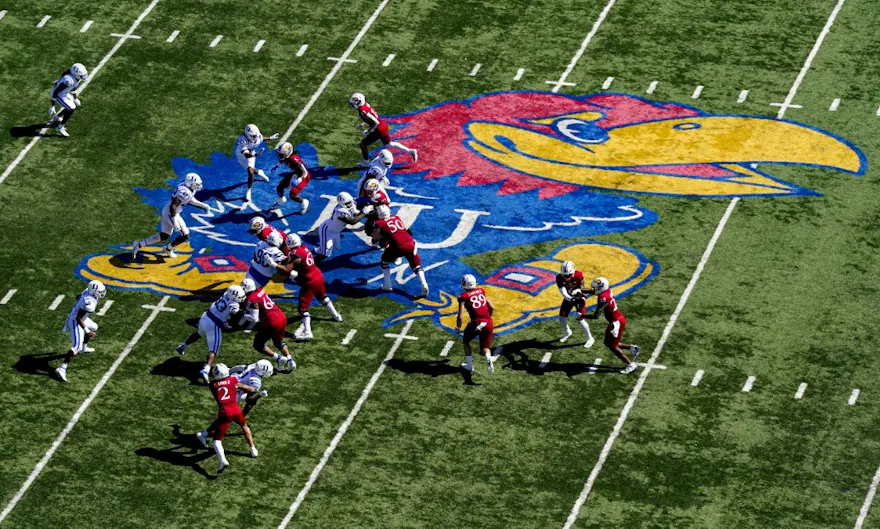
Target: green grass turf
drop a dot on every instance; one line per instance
(427, 451)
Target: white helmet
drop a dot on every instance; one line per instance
(79, 71)
(600, 284)
(219, 372)
(357, 100)
(285, 150)
(383, 211)
(371, 186)
(386, 157)
(263, 368)
(468, 282)
(567, 268)
(235, 293)
(248, 285)
(275, 239)
(252, 132)
(257, 225)
(193, 181)
(97, 289)
(293, 241)
(344, 199)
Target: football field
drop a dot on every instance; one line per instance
(713, 159)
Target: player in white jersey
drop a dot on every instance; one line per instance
(80, 325)
(268, 259)
(344, 214)
(212, 323)
(378, 169)
(252, 375)
(247, 148)
(171, 219)
(65, 96)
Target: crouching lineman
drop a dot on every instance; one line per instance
(298, 178)
(268, 259)
(606, 304)
(344, 214)
(225, 388)
(212, 323)
(390, 233)
(480, 310)
(261, 310)
(303, 269)
(80, 325)
(247, 148)
(171, 219)
(64, 95)
(252, 375)
(571, 286)
(261, 229)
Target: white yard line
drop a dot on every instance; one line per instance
(333, 71)
(105, 307)
(259, 45)
(607, 84)
(43, 21)
(698, 376)
(697, 92)
(8, 296)
(878, 111)
(173, 35)
(388, 59)
(475, 69)
(748, 385)
(86, 26)
(2, 14)
(216, 41)
(519, 74)
(799, 394)
(652, 87)
(349, 336)
(586, 42)
(57, 301)
(869, 499)
(742, 96)
(156, 309)
(545, 360)
(313, 477)
(81, 89)
(302, 50)
(834, 105)
(447, 348)
(434, 62)
(854, 396)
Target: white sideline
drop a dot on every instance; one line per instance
(869, 499)
(81, 89)
(348, 420)
(336, 67)
(83, 407)
(577, 56)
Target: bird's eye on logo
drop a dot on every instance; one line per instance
(581, 131)
(686, 126)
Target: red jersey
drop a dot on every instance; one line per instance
(295, 163)
(306, 270)
(572, 282)
(393, 233)
(269, 311)
(225, 393)
(263, 235)
(476, 303)
(612, 313)
(380, 197)
(366, 112)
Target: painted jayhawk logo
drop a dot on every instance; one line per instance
(494, 172)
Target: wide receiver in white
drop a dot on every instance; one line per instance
(65, 96)
(171, 219)
(344, 214)
(252, 375)
(247, 148)
(212, 324)
(80, 325)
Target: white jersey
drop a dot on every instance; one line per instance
(64, 86)
(244, 144)
(334, 224)
(266, 257)
(222, 309)
(250, 378)
(87, 303)
(184, 195)
(376, 170)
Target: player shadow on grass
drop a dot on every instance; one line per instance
(178, 367)
(519, 359)
(31, 131)
(38, 364)
(186, 452)
(433, 368)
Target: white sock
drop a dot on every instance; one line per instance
(422, 280)
(563, 324)
(218, 448)
(329, 304)
(63, 366)
(152, 239)
(307, 323)
(400, 146)
(586, 327)
(386, 272)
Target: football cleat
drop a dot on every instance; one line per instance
(170, 251)
(247, 197)
(88, 349)
(589, 343)
(181, 349)
(490, 363)
(291, 363)
(629, 368)
(224, 464)
(63, 131)
(254, 452)
(466, 367)
(61, 373)
(424, 292)
(203, 438)
(302, 335)
(564, 338)
(415, 155)
(262, 174)
(280, 363)
(135, 248)
(204, 374)
(305, 207)
(635, 351)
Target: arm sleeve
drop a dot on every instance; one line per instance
(565, 294)
(199, 204)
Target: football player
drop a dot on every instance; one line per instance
(480, 309)
(374, 195)
(298, 178)
(252, 375)
(607, 305)
(303, 269)
(378, 170)
(390, 233)
(247, 148)
(65, 96)
(571, 285)
(212, 324)
(171, 219)
(261, 229)
(225, 388)
(80, 325)
(268, 259)
(344, 214)
(260, 309)
(374, 128)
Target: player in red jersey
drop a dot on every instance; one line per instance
(225, 390)
(371, 193)
(375, 129)
(390, 233)
(480, 309)
(273, 323)
(261, 229)
(607, 305)
(301, 266)
(571, 285)
(299, 175)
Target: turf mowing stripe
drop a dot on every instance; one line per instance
(173, 35)
(302, 50)
(652, 87)
(81, 89)
(58, 299)
(348, 420)
(519, 74)
(333, 71)
(800, 391)
(8, 296)
(577, 56)
(105, 307)
(86, 26)
(854, 396)
(869, 500)
(834, 105)
(606, 450)
(349, 336)
(697, 92)
(259, 46)
(447, 348)
(42, 22)
(388, 59)
(607, 84)
(545, 360)
(698, 376)
(748, 385)
(216, 41)
(83, 407)
(435, 61)
(742, 96)
(475, 69)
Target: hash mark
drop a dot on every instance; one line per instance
(43, 21)
(607, 84)
(742, 96)
(302, 50)
(652, 87)
(596, 363)
(216, 41)
(545, 360)
(173, 35)
(519, 74)
(447, 348)
(388, 59)
(349, 336)
(854, 397)
(2, 14)
(11, 292)
(698, 376)
(58, 299)
(834, 105)
(748, 385)
(800, 391)
(435, 61)
(697, 91)
(259, 46)
(476, 69)
(86, 26)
